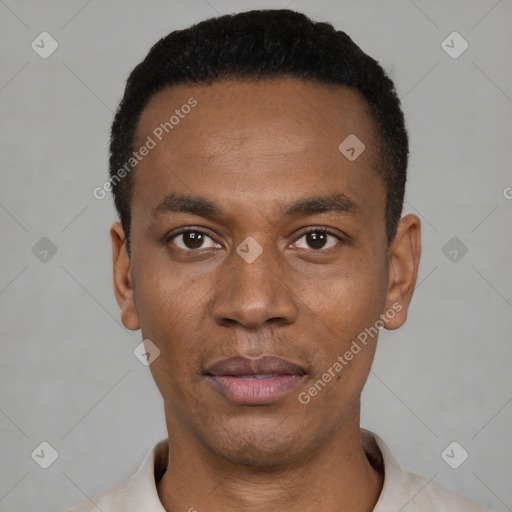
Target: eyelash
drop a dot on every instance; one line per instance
(325, 231)
(322, 231)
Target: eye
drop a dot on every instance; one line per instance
(316, 239)
(192, 240)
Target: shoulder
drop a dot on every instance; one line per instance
(421, 494)
(407, 491)
(136, 493)
(108, 500)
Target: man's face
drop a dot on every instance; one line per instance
(266, 157)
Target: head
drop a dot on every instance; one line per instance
(250, 227)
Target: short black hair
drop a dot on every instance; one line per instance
(260, 45)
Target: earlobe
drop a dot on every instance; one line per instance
(122, 277)
(404, 259)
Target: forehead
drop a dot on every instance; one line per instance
(266, 140)
(321, 110)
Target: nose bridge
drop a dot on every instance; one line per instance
(253, 290)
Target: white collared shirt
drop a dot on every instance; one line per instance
(402, 491)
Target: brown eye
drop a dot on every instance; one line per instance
(316, 240)
(190, 240)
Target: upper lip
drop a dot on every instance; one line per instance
(266, 365)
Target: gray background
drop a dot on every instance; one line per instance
(68, 373)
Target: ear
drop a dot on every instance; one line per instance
(123, 284)
(404, 260)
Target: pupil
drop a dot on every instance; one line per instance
(193, 239)
(316, 240)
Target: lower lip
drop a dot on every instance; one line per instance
(255, 391)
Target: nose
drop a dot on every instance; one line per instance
(253, 294)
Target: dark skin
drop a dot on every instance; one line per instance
(254, 149)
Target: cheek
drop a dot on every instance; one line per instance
(176, 334)
(163, 293)
(347, 298)
(168, 307)
(343, 323)
(344, 308)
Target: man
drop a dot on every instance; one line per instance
(258, 165)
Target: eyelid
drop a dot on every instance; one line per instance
(196, 229)
(321, 229)
(318, 229)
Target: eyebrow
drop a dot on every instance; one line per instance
(335, 203)
(197, 205)
(203, 207)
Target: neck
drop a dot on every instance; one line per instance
(335, 476)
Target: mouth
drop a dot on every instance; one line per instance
(259, 381)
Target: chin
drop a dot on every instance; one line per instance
(260, 444)
(255, 455)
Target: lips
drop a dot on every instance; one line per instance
(241, 366)
(255, 381)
